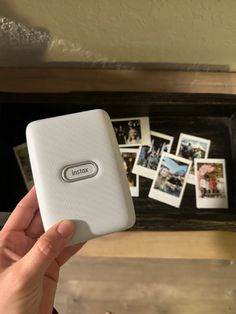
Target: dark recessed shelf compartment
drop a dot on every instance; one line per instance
(204, 115)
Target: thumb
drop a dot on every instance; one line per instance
(47, 248)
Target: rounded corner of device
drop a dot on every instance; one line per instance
(104, 112)
(132, 222)
(29, 127)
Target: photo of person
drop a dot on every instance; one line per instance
(22, 157)
(171, 176)
(170, 181)
(211, 183)
(192, 147)
(148, 157)
(129, 156)
(132, 131)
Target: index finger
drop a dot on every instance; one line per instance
(24, 213)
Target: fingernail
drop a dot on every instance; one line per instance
(66, 228)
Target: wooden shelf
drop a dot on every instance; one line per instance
(158, 244)
(189, 244)
(60, 80)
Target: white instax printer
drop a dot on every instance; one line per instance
(79, 174)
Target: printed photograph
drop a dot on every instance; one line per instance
(132, 131)
(129, 156)
(211, 183)
(192, 147)
(22, 157)
(170, 181)
(148, 157)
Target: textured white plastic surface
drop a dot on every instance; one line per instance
(99, 205)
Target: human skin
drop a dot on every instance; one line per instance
(164, 173)
(30, 259)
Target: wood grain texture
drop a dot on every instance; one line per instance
(67, 79)
(189, 244)
(150, 286)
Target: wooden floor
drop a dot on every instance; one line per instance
(94, 285)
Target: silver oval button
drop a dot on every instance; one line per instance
(80, 171)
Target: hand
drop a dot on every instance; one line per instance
(30, 259)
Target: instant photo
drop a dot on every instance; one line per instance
(22, 157)
(148, 157)
(132, 131)
(211, 183)
(129, 156)
(192, 147)
(170, 181)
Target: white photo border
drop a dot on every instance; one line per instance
(29, 184)
(214, 202)
(145, 130)
(163, 196)
(145, 172)
(134, 190)
(191, 177)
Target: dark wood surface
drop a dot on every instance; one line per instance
(208, 116)
(64, 79)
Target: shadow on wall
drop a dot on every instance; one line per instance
(24, 45)
(20, 43)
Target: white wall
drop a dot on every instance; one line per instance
(160, 31)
